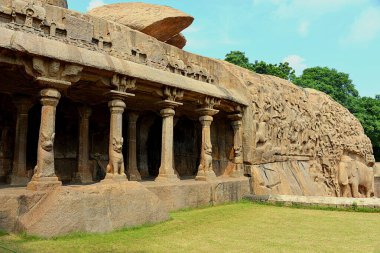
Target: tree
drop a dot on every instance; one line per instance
(336, 84)
(282, 70)
(238, 58)
(368, 113)
(377, 97)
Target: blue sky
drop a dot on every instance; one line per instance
(341, 34)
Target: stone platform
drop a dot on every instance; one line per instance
(316, 201)
(191, 193)
(104, 207)
(377, 186)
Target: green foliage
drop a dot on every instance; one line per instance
(282, 70)
(239, 59)
(336, 84)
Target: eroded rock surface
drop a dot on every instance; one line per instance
(161, 22)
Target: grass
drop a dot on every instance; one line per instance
(242, 227)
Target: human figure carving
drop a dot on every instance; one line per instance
(116, 164)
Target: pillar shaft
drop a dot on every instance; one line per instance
(238, 149)
(44, 172)
(133, 171)
(205, 170)
(84, 171)
(19, 173)
(166, 171)
(115, 167)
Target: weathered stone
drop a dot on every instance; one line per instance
(95, 208)
(178, 40)
(230, 121)
(160, 22)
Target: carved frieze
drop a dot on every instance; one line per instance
(98, 35)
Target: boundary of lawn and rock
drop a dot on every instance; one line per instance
(315, 202)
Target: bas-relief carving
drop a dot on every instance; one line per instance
(292, 124)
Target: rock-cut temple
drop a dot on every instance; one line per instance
(105, 122)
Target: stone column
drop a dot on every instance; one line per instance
(84, 171)
(166, 171)
(115, 167)
(134, 174)
(4, 153)
(205, 170)
(19, 173)
(238, 144)
(44, 173)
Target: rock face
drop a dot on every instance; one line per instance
(95, 208)
(161, 22)
(178, 41)
(301, 142)
(59, 3)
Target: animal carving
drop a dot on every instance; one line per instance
(206, 164)
(45, 156)
(116, 163)
(356, 177)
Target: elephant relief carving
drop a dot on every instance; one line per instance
(355, 177)
(116, 159)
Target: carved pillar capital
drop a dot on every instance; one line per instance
(168, 112)
(23, 104)
(50, 97)
(123, 83)
(53, 73)
(133, 117)
(206, 120)
(84, 111)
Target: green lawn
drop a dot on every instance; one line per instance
(242, 227)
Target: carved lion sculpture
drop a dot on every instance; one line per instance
(208, 158)
(116, 159)
(355, 176)
(46, 156)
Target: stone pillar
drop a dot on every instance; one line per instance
(238, 144)
(133, 172)
(84, 171)
(166, 171)
(115, 167)
(4, 153)
(19, 173)
(44, 173)
(205, 170)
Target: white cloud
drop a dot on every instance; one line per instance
(365, 28)
(303, 28)
(296, 62)
(95, 3)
